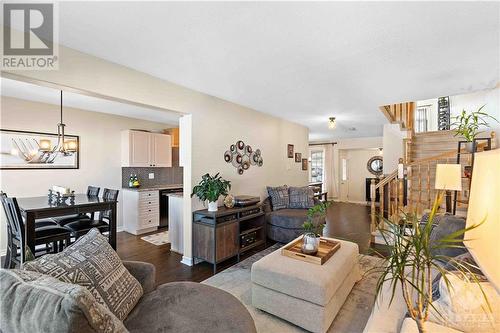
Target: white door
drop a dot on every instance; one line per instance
(140, 153)
(344, 175)
(161, 150)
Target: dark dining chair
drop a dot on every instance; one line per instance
(16, 238)
(81, 227)
(92, 191)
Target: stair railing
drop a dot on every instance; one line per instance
(402, 113)
(410, 187)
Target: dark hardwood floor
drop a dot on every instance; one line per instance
(345, 221)
(350, 222)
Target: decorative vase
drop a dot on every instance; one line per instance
(212, 206)
(310, 243)
(469, 146)
(229, 201)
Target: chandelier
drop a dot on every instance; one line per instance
(45, 152)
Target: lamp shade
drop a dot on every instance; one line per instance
(448, 177)
(483, 242)
(45, 145)
(71, 145)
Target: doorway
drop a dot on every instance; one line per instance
(353, 173)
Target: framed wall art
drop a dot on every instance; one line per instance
(298, 157)
(37, 150)
(289, 150)
(304, 164)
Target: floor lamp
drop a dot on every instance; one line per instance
(448, 178)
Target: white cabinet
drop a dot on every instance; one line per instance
(161, 150)
(144, 149)
(141, 211)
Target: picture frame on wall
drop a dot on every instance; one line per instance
(289, 150)
(304, 164)
(22, 150)
(298, 157)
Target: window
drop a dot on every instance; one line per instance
(317, 166)
(344, 169)
(421, 118)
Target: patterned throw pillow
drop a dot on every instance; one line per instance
(279, 197)
(301, 197)
(53, 305)
(92, 263)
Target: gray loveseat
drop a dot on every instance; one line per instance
(284, 225)
(179, 307)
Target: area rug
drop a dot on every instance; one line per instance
(352, 317)
(160, 238)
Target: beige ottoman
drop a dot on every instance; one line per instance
(305, 294)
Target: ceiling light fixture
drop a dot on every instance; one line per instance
(33, 151)
(331, 122)
(66, 147)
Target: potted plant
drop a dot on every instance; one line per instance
(312, 230)
(411, 259)
(467, 125)
(210, 188)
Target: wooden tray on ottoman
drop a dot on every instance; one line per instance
(327, 248)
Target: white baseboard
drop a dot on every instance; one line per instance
(187, 261)
(120, 229)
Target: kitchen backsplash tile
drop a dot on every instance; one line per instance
(163, 176)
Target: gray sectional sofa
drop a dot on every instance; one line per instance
(87, 288)
(180, 307)
(284, 225)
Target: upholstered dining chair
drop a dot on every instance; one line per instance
(81, 227)
(92, 191)
(45, 234)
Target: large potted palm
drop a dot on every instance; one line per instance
(210, 188)
(412, 257)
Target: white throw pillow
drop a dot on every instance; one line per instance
(463, 306)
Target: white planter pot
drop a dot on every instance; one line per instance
(212, 206)
(469, 146)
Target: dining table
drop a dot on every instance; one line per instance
(34, 208)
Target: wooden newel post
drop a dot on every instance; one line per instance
(373, 225)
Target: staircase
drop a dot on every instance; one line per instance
(412, 190)
(429, 144)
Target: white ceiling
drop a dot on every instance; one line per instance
(299, 60)
(36, 93)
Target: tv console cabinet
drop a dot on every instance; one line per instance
(227, 233)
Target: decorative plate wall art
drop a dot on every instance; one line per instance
(242, 156)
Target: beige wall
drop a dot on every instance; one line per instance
(215, 123)
(348, 144)
(100, 153)
(357, 173)
(490, 98)
(393, 147)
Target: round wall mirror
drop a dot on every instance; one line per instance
(375, 165)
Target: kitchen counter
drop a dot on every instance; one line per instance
(154, 187)
(176, 194)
